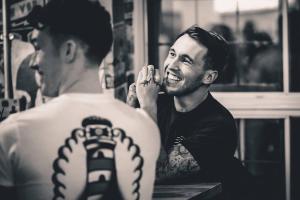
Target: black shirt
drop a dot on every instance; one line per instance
(210, 135)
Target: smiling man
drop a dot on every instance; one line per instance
(82, 144)
(198, 134)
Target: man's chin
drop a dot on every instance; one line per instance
(171, 90)
(174, 89)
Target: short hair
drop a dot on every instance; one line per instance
(217, 47)
(73, 18)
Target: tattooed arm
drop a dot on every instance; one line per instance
(177, 163)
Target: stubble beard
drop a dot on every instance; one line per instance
(179, 92)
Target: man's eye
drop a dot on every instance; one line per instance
(172, 54)
(187, 61)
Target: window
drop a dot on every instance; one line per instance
(295, 148)
(261, 149)
(252, 28)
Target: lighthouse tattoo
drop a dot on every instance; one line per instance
(88, 156)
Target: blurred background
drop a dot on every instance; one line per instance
(260, 85)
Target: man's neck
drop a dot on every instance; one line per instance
(189, 102)
(85, 82)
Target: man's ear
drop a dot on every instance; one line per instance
(68, 51)
(210, 76)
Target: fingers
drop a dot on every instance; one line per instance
(143, 75)
(154, 75)
(157, 77)
(132, 88)
(149, 74)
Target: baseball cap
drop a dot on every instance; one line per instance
(86, 19)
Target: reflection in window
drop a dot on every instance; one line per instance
(251, 28)
(295, 159)
(294, 32)
(264, 155)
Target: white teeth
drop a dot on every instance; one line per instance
(172, 77)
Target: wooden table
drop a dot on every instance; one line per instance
(199, 191)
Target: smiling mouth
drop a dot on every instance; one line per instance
(172, 78)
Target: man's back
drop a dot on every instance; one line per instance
(79, 145)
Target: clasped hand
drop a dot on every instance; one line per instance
(148, 86)
(145, 90)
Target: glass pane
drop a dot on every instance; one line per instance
(294, 32)
(251, 27)
(264, 155)
(295, 159)
(2, 81)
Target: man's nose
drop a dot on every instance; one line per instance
(34, 63)
(173, 64)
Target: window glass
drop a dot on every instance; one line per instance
(295, 159)
(252, 29)
(294, 46)
(264, 155)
